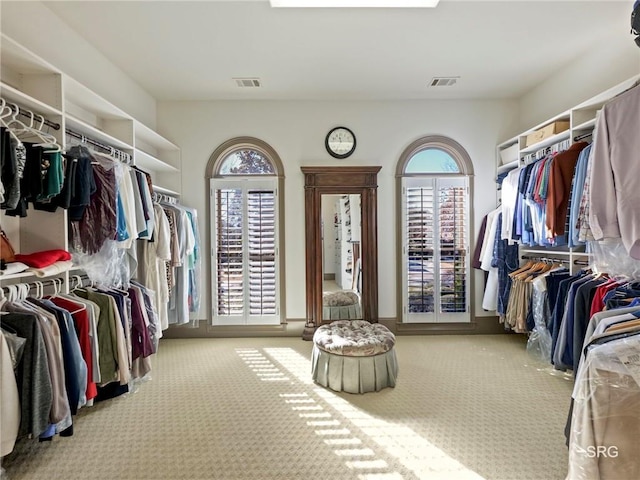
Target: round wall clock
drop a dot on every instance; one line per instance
(340, 142)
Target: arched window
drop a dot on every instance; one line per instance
(432, 160)
(246, 161)
(246, 184)
(434, 174)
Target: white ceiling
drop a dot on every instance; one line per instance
(179, 50)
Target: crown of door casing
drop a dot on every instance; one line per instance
(332, 181)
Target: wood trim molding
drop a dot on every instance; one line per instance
(340, 180)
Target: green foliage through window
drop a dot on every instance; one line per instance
(246, 162)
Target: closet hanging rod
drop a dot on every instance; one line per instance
(78, 279)
(29, 114)
(163, 197)
(44, 283)
(554, 260)
(108, 148)
(541, 153)
(582, 137)
(545, 259)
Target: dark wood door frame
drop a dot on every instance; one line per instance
(320, 181)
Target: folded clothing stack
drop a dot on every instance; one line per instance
(44, 259)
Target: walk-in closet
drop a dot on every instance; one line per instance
(283, 239)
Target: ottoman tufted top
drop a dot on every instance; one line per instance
(354, 338)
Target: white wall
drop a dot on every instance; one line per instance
(37, 28)
(580, 80)
(296, 130)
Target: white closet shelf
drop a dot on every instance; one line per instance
(11, 94)
(508, 166)
(558, 137)
(34, 84)
(604, 97)
(81, 96)
(150, 137)
(145, 161)
(589, 124)
(14, 276)
(561, 116)
(18, 58)
(508, 143)
(583, 120)
(167, 191)
(28, 274)
(546, 251)
(84, 128)
(556, 251)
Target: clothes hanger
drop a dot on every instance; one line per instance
(56, 292)
(536, 267)
(81, 307)
(78, 282)
(22, 291)
(53, 146)
(522, 274)
(524, 267)
(3, 300)
(5, 110)
(59, 284)
(20, 126)
(46, 140)
(12, 111)
(39, 290)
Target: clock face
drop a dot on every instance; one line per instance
(340, 142)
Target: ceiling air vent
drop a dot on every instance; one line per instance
(248, 82)
(443, 81)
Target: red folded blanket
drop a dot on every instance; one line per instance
(44, 258)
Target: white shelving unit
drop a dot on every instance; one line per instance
(34, 84)
(343, 247)
(158, 156)
(347, 234)
(582, 120)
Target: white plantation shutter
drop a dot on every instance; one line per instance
(261, 240)
(453, 225)
(245, 274)
(229, 258)
(436, 249)
(419, 263)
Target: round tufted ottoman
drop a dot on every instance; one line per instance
(354, 356)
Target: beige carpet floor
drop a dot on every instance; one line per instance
(465, 407)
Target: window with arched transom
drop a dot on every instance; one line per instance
(434, 174)
(246, 184)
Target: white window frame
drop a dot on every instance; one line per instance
(425, 175)
(437, 316)
(245, 184)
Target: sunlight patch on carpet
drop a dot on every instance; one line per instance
(412, 450)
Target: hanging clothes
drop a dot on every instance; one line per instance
(560, 178)
(194, 264)
(33, 374)
(9, 398)
(179, 296)
(606, 400)
(81, 322)
(490, 298)
(613, 211)
(99, 220)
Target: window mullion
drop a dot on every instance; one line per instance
(437, 246)
(246, 252)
